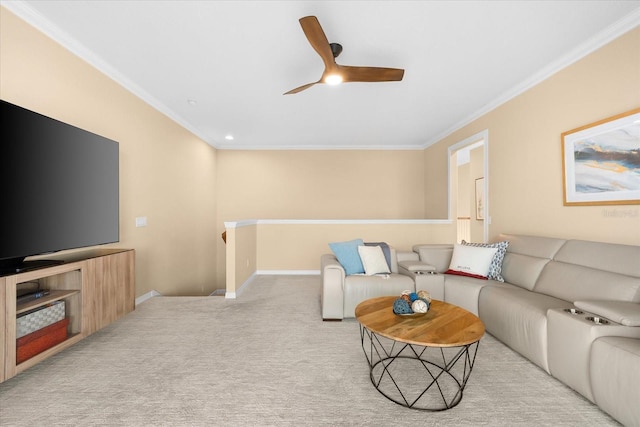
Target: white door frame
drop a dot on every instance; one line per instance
(480, 136)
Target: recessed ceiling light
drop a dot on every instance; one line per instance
(229, 137)
(192, 102)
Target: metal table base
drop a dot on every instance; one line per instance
(415, 376)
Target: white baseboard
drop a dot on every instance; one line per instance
(147, 296)
(234, 295)
(288, 272)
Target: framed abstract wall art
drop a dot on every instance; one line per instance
(601, 162)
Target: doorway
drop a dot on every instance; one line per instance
(469, 188)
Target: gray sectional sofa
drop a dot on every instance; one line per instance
(341, 293)
(571, 307)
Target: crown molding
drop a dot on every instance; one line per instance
(30, 15)
(320, 147)
(27, 13)
(250, 222)
(612, 32)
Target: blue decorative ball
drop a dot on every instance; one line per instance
(400, 306)
(413, 296)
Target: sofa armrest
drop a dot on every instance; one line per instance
(623, 312)
(404, 256)
(417, 267)
(438, 255)
(332, 276)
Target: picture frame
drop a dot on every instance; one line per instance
(480, 199)
(601, 162)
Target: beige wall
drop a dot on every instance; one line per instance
(265, 246)
(299, 246)
(188, 189)
(525, 167)
(241, 255)
(166, 173)
(436, 191)
(311, 184)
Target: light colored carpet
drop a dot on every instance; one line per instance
(265, 359)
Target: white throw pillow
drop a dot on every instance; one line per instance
(373, 260)
(471, 260)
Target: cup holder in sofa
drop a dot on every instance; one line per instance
(574, 311)
(597, 320)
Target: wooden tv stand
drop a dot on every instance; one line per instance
(97, 286)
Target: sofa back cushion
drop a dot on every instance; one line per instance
(437, 255)
(526, 257)
(394, 260)
(584, 270)
(615, 258)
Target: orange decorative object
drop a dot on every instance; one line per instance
(40, 340)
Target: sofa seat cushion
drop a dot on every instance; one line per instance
(615, 375)
(464, 291)
(358, 288)
(518, 318)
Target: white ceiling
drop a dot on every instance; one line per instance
(235, 59)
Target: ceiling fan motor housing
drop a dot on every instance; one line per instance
(336, 49)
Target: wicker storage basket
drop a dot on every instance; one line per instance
(39, 318)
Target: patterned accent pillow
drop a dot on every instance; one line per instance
(496, 264)
(471, 261)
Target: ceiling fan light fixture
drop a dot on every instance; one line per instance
(333, 73)
(333, 79)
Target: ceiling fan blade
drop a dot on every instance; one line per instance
(334, 73)
(300, 89)
(370, 74)
(318, 40)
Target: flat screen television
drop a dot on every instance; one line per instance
(59, 188)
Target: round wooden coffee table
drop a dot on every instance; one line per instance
(419, 361)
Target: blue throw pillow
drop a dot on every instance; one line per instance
(348, 256)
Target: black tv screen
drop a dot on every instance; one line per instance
(59, 187)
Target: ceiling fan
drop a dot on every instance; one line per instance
(334, 73)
